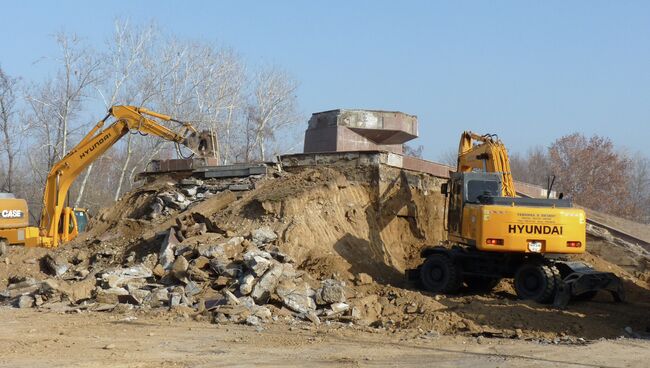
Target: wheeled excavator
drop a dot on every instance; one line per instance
(493, 234)
(60, 223)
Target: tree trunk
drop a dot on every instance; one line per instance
(124, 168)
(80, 195)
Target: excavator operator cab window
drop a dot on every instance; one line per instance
(82, 220)
(478, 188)
(481, 185)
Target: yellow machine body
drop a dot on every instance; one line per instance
(498, 228)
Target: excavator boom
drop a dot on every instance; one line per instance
(488, 155)
(93, 145)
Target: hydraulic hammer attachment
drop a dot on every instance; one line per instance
(582, 282)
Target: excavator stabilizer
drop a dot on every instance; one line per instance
(581, 282)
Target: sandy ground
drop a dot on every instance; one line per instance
(33, 338)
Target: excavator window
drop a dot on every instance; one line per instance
(82, 220)
(478, 188)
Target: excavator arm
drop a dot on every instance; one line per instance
(489, 155)
(93, 145)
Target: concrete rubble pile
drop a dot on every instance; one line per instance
(239, 279)
(188, 191)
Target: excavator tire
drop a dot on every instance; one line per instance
(537, 281)
(439, 274)
(481, 283)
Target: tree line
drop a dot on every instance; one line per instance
(210, 86)
(591, 172)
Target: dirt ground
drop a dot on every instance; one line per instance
(331, 226)
(31, 338)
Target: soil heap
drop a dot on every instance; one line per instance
(315, 245)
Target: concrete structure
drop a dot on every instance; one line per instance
(375, 158)
(359, 130)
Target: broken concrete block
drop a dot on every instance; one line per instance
(262, 312)
(210, 251)
(298, 297)
(179, 268)
(191, 182)
(201, 262)
(232, 246)
(220, 282)
(266, 285)
(197, 274)
(263, 235)
(57, 265)
(159, 271)
(122, 276)
(190, 191)
(167, 249)
(246, 284)
(224, 267)
(232, 299)
(81, 256)
(192, 288)
(331, 291)
(140, 295)
(253, 321)
(25, 301)
(38, 300)
(110, 296)
(257, 262)
(27, 286)
(364, 279)
(174, 200)
(158, 297)
(75, 291)
(339, 307)
(356, 314)
(156, 208)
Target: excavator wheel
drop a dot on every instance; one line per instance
(439, 274)
(537, 281)
(481, 283)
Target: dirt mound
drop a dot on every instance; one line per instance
(353, 231)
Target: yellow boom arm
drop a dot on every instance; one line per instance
(93, 145)
(489, 154)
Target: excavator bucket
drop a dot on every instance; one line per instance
(582, 282)
(202, 143)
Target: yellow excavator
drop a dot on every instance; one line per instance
(493, 234)
(60, 223)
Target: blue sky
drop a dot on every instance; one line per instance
(529, 71)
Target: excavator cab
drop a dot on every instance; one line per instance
(494, 234)
(468, 188)
(73, 221)
(81, 215)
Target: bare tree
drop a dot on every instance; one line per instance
(449, 157)
(57, 102)
(273, 107)
(640, 188)
(592, 173)
(533, 167)
(415, 151)
(126, 51)
(8, 126)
